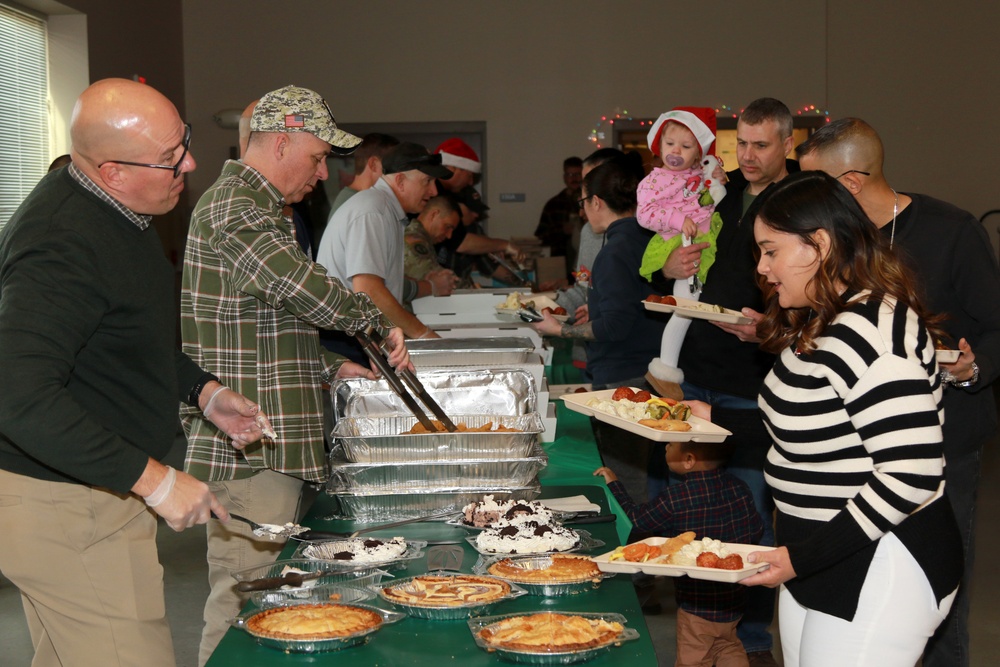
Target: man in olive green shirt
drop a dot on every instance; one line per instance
(251, 305)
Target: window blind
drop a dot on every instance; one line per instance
(24, 114)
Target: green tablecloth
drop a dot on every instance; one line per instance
(572, 459)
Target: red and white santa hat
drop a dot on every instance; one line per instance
(457, 153)
(700, 120)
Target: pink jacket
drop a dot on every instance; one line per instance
(663, 202)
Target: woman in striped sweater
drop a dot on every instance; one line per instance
(870, 555)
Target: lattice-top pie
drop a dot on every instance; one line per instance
(432, 590)
(312, 621)
(550, 633)
(563, 569)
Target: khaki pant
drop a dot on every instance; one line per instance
(702, 643)
(267, 497)
(86, 564)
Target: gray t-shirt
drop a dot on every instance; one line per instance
(365, 235)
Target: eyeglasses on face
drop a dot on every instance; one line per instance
(855, 171)
(580, 202)
(176, 168)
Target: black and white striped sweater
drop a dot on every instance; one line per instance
(857, 453)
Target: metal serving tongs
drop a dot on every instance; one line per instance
(376, 348)
(515, 271)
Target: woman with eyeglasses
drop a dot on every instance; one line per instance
(621, 335)
(870, 554)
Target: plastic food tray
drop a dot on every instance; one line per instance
(379, 439)
(457, 391)
(479, 352)
(476, 625)
(406, 503)
(341, 572)
(701, 430)
(701, 311)
(449, 613)
(335, 593)
(548, 588)
(318, 645)
(667, 570)
(476, 473)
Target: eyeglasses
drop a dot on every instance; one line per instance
(855, 171)
(579, 202)
(176, 168)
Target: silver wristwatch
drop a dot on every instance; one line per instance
(971, 381)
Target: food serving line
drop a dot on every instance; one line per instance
(384, 471)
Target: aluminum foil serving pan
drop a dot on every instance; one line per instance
(380, 439)
(346, 477)
(458, 392)
(405, 503)
(478, 352)
(377, 617)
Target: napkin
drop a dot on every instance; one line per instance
(570, 504)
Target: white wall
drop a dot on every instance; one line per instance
(540, 74)
(68, 74)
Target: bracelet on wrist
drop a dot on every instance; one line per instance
(971, 381)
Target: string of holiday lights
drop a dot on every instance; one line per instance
(599, 134)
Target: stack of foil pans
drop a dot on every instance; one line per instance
(379, 472)
(473, 473)
(457, 391)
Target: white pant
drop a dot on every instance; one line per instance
(896, 615)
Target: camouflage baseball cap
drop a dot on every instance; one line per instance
(294, 109)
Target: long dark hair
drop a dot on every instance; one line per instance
(859, 258)
(616, 182)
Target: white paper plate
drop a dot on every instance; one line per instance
(698, 310)
(701, 430)
(693, 571)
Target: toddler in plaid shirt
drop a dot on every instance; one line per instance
(711, 503)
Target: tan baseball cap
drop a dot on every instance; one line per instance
(294, 109)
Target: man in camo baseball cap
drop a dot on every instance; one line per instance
(294, 109)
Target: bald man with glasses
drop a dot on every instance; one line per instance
(92, 383)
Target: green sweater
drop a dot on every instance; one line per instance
(90, 370)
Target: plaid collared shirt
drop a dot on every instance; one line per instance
(713, 504)
(251, 306)
(140, 221)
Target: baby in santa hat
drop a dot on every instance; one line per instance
(678, 201)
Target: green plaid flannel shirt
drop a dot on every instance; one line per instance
(251, 307)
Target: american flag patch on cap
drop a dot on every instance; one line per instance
(294, 120)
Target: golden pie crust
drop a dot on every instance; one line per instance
(312, 621)
(447, 590)
(563, 570)
(550, 633)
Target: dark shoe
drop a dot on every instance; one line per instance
(652, 609)
(762, 659)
